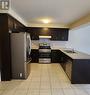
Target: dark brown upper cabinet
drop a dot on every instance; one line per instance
(44, 31)
(18, 27)
(34, 33)
(14, 25)
(10, 22)
(58, 34)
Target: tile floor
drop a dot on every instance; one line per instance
(44, 79)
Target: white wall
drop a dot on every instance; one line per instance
(79, 39)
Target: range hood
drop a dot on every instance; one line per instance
(45, 37)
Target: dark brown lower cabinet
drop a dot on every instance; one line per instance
(77, 70)
(55, 56)
(81, 71)
(34, 55)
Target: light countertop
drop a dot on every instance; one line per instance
(76, 55)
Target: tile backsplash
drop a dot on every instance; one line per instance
(58, 44)
(54, 44)
(35, 44)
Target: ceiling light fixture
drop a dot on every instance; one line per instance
(46, 21)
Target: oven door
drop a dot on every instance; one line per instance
(44, 55)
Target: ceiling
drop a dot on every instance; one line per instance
(58, 11)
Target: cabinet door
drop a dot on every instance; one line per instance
(63, 59)
(34, 33)
(18, 27)
(34, 36)
(44, 31)
(55, 56)
(15, 28)
(10, 23)
(64, 35)
(54, 35)
(34, 55)
(59, 34)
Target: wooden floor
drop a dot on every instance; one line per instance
(44, 79)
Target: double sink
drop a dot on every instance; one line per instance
(70, 51)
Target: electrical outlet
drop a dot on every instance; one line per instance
(20, 74)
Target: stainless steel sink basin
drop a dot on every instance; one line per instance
(70, 51)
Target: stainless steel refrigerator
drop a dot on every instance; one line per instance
(20, 51)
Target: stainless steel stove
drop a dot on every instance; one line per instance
(44, 53)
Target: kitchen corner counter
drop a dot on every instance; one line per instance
(76, 65)
(76, 55)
